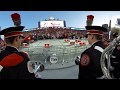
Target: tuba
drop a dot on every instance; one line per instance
(106, 54)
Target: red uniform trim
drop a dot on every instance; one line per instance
(85, 60)
(94, 32)
(13, 33)
(11, 60)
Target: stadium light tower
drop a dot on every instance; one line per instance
(118, 22)
(115, 21)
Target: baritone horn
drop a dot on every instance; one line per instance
(106, 56)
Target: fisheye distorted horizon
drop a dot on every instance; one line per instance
(73, 18)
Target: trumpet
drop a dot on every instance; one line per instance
(106, 56)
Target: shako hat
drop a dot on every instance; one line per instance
(99, 30)
(12, 31)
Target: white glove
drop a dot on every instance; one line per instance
(29, 66)
(37, 75)
(1, 67)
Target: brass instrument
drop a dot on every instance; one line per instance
(106, 56)
(105, 61)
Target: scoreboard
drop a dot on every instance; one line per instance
(52, 24)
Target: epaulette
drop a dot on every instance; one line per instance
(11, 60)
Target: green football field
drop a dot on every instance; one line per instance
(65, 53)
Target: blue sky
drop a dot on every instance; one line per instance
(73, 18)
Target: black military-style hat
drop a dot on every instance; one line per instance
(96, 30)
(12, 31)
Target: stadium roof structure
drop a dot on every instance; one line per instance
(74, 28)
(52, 19)
(26, 30)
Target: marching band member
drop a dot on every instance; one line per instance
(13, 63)
(89, 63)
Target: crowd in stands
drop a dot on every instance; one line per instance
(2, 44)
(50, 33)
(53, 33)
